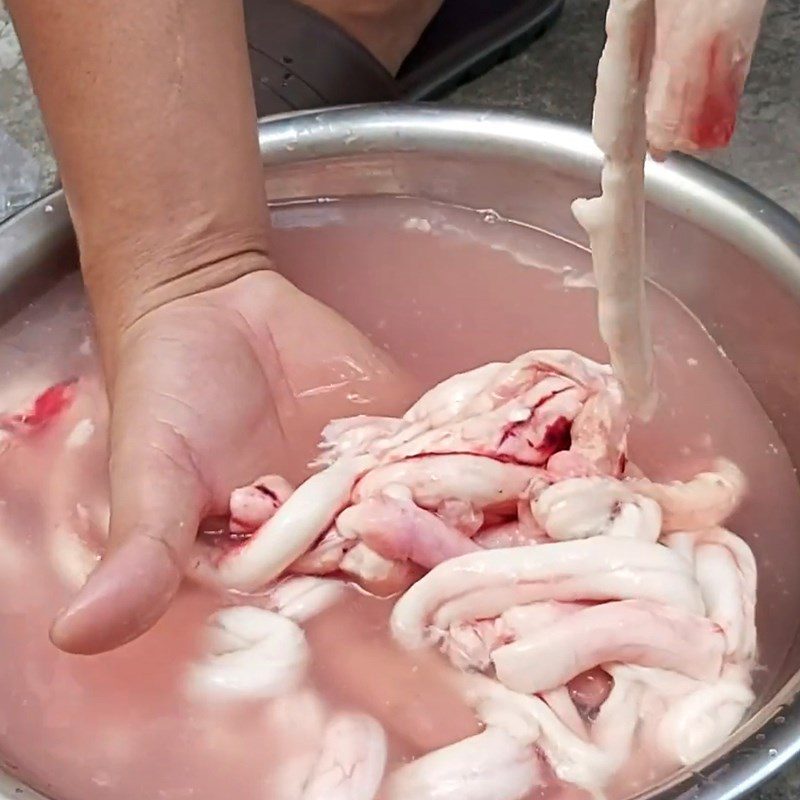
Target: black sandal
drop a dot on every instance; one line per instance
(300, 59)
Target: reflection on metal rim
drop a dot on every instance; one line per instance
(683, 185)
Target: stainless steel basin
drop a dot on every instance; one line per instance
(731, 255)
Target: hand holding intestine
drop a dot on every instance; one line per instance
(670, 78)
(209, 390)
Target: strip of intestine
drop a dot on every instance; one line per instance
(351, 760)
(579, 508)
(615, 220)
(670, 78)
(301, 597)
(492, 765)
(251, 653)
(484, 585)
(324, 756)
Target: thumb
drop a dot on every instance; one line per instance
(156, 504)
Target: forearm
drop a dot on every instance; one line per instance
(149, 107)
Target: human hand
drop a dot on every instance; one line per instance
(208, 392)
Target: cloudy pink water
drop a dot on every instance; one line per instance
(444, 290)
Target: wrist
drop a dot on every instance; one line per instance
(126, 284)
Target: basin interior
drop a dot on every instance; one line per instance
(750, 310)
(747, 308)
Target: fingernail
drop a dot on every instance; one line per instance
(123, 597)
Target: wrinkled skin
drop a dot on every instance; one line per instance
(182, 441)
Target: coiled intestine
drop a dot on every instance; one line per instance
(585, 615)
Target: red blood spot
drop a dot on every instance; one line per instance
(558, 437)
(716, 119)
(46, 407)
